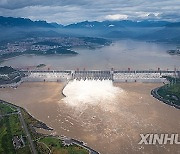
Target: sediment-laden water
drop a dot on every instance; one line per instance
(109, 126)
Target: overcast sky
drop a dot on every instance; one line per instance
(71, 11)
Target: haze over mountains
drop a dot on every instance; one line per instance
(12, 28)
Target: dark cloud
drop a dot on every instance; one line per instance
(170, 15)
(16, 4)
(68, 11)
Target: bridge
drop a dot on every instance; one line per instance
(114, 75)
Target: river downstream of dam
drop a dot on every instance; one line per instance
(112, 126)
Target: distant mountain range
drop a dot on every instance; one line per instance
(144, 30)
(22, 22)
(118, 24)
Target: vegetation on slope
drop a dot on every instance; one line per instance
(9, 75)
(171, 91)
(10, 126)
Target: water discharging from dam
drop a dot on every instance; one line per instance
(81, 94)
(112, 125)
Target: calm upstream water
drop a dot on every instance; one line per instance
(119, 55)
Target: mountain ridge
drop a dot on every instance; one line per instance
(18, 21)
(142, 30)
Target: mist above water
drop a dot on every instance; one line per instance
(81, 94)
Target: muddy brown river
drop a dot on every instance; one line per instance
(109, 127)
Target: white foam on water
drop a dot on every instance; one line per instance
(81, 93)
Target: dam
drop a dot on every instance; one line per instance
(114, 75)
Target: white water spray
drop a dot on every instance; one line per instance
(82, 93)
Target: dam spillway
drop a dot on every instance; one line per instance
(93, 75)
(114, 75)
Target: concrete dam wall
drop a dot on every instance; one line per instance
(115, 76)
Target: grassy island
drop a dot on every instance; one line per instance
(40, 65)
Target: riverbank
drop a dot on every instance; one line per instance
(19, 54)
(13, 138)
(169, 93)
(10, 77)
(50, 143)
(155, 94)
(12, 85)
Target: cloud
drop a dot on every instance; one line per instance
(18, 4)
(170, 15)
(3, 2)
(116, 17)
(69, 11)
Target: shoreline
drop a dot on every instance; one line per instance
(12, 85)
(42, 125)
(26, 54)
(155, 94)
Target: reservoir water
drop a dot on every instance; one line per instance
(119, 55)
